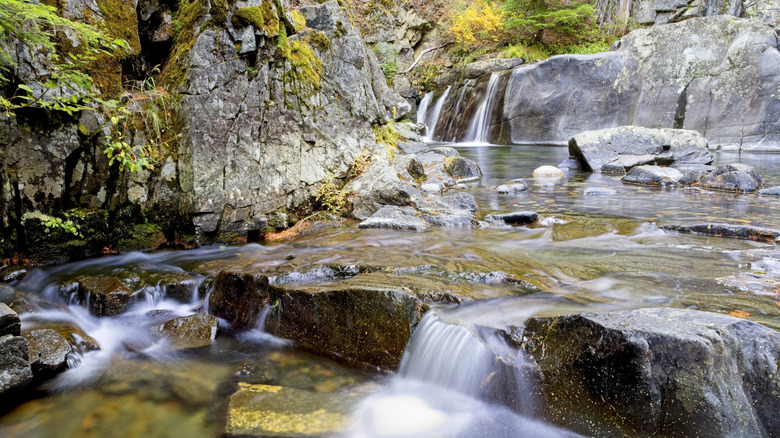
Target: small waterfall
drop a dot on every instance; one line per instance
(422, 109)
(451, 384)
(433, 118)
(480, 125)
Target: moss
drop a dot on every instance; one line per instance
(187, 24)
(319, 40)
(261, 17)
(142, 237)
(305, 68)
(299, 20)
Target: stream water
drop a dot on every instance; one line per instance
(591, 252)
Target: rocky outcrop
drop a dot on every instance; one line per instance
(664, 372)
(253, 144)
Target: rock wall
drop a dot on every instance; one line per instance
(665, 11)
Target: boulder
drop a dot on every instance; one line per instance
(733, 177)
(668, 372)
(630, 146)
(547, 172)
(463, 168)
(653, 176)
(391, 216)
(103, 296)
(238, 298)
(362, 323)
(48, 352)
(767, 11)
(194, 331)
(409, 167)
(378, 186)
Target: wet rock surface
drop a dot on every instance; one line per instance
(194, 331)
(15, 370)
(658, 371)
(515, 218)
(238, 298)
(275, 411)
(653, 176)
(48, 352)
(728, 230)
(396, 217)
(732, 177)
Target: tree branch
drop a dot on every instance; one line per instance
(423, 53)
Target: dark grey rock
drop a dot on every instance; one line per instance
(10, 324)
(692, 173)
(733, 177)
(15, 371)
(569, 164)
(627, 147)
(653, 175)
(238, 298)
(14, 273)
(661, 371)
(395, 217)
(515, 218)
(409, 166)
(727, 230)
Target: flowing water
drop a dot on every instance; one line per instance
(589, 252)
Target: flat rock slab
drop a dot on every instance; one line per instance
(727, 230)
(391, 216)
(668, 372)
(514, 218)
(631, 146)
(276, 411)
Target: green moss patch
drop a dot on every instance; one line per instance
(261, 17)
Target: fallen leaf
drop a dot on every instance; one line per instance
(739, 313)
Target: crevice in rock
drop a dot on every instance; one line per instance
(679, 112)
(72, 190)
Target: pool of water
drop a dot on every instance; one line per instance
(588, 253)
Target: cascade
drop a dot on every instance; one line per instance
(480, 124)
(452, 383)
(434, 116)
(422, 109)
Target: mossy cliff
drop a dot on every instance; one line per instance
(243, 110)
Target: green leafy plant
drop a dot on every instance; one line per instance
(333, 197)
(52, 224)
(36, 27)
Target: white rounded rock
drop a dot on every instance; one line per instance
(548, 172)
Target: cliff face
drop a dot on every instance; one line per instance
(256, 115)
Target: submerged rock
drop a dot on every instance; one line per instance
(194, 331)
(658, 371)
(275, 411)
(626, 147)
(772, 191)
(548, 172)
(514, 186)
(396, 217)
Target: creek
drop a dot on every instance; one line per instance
(589, 253)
